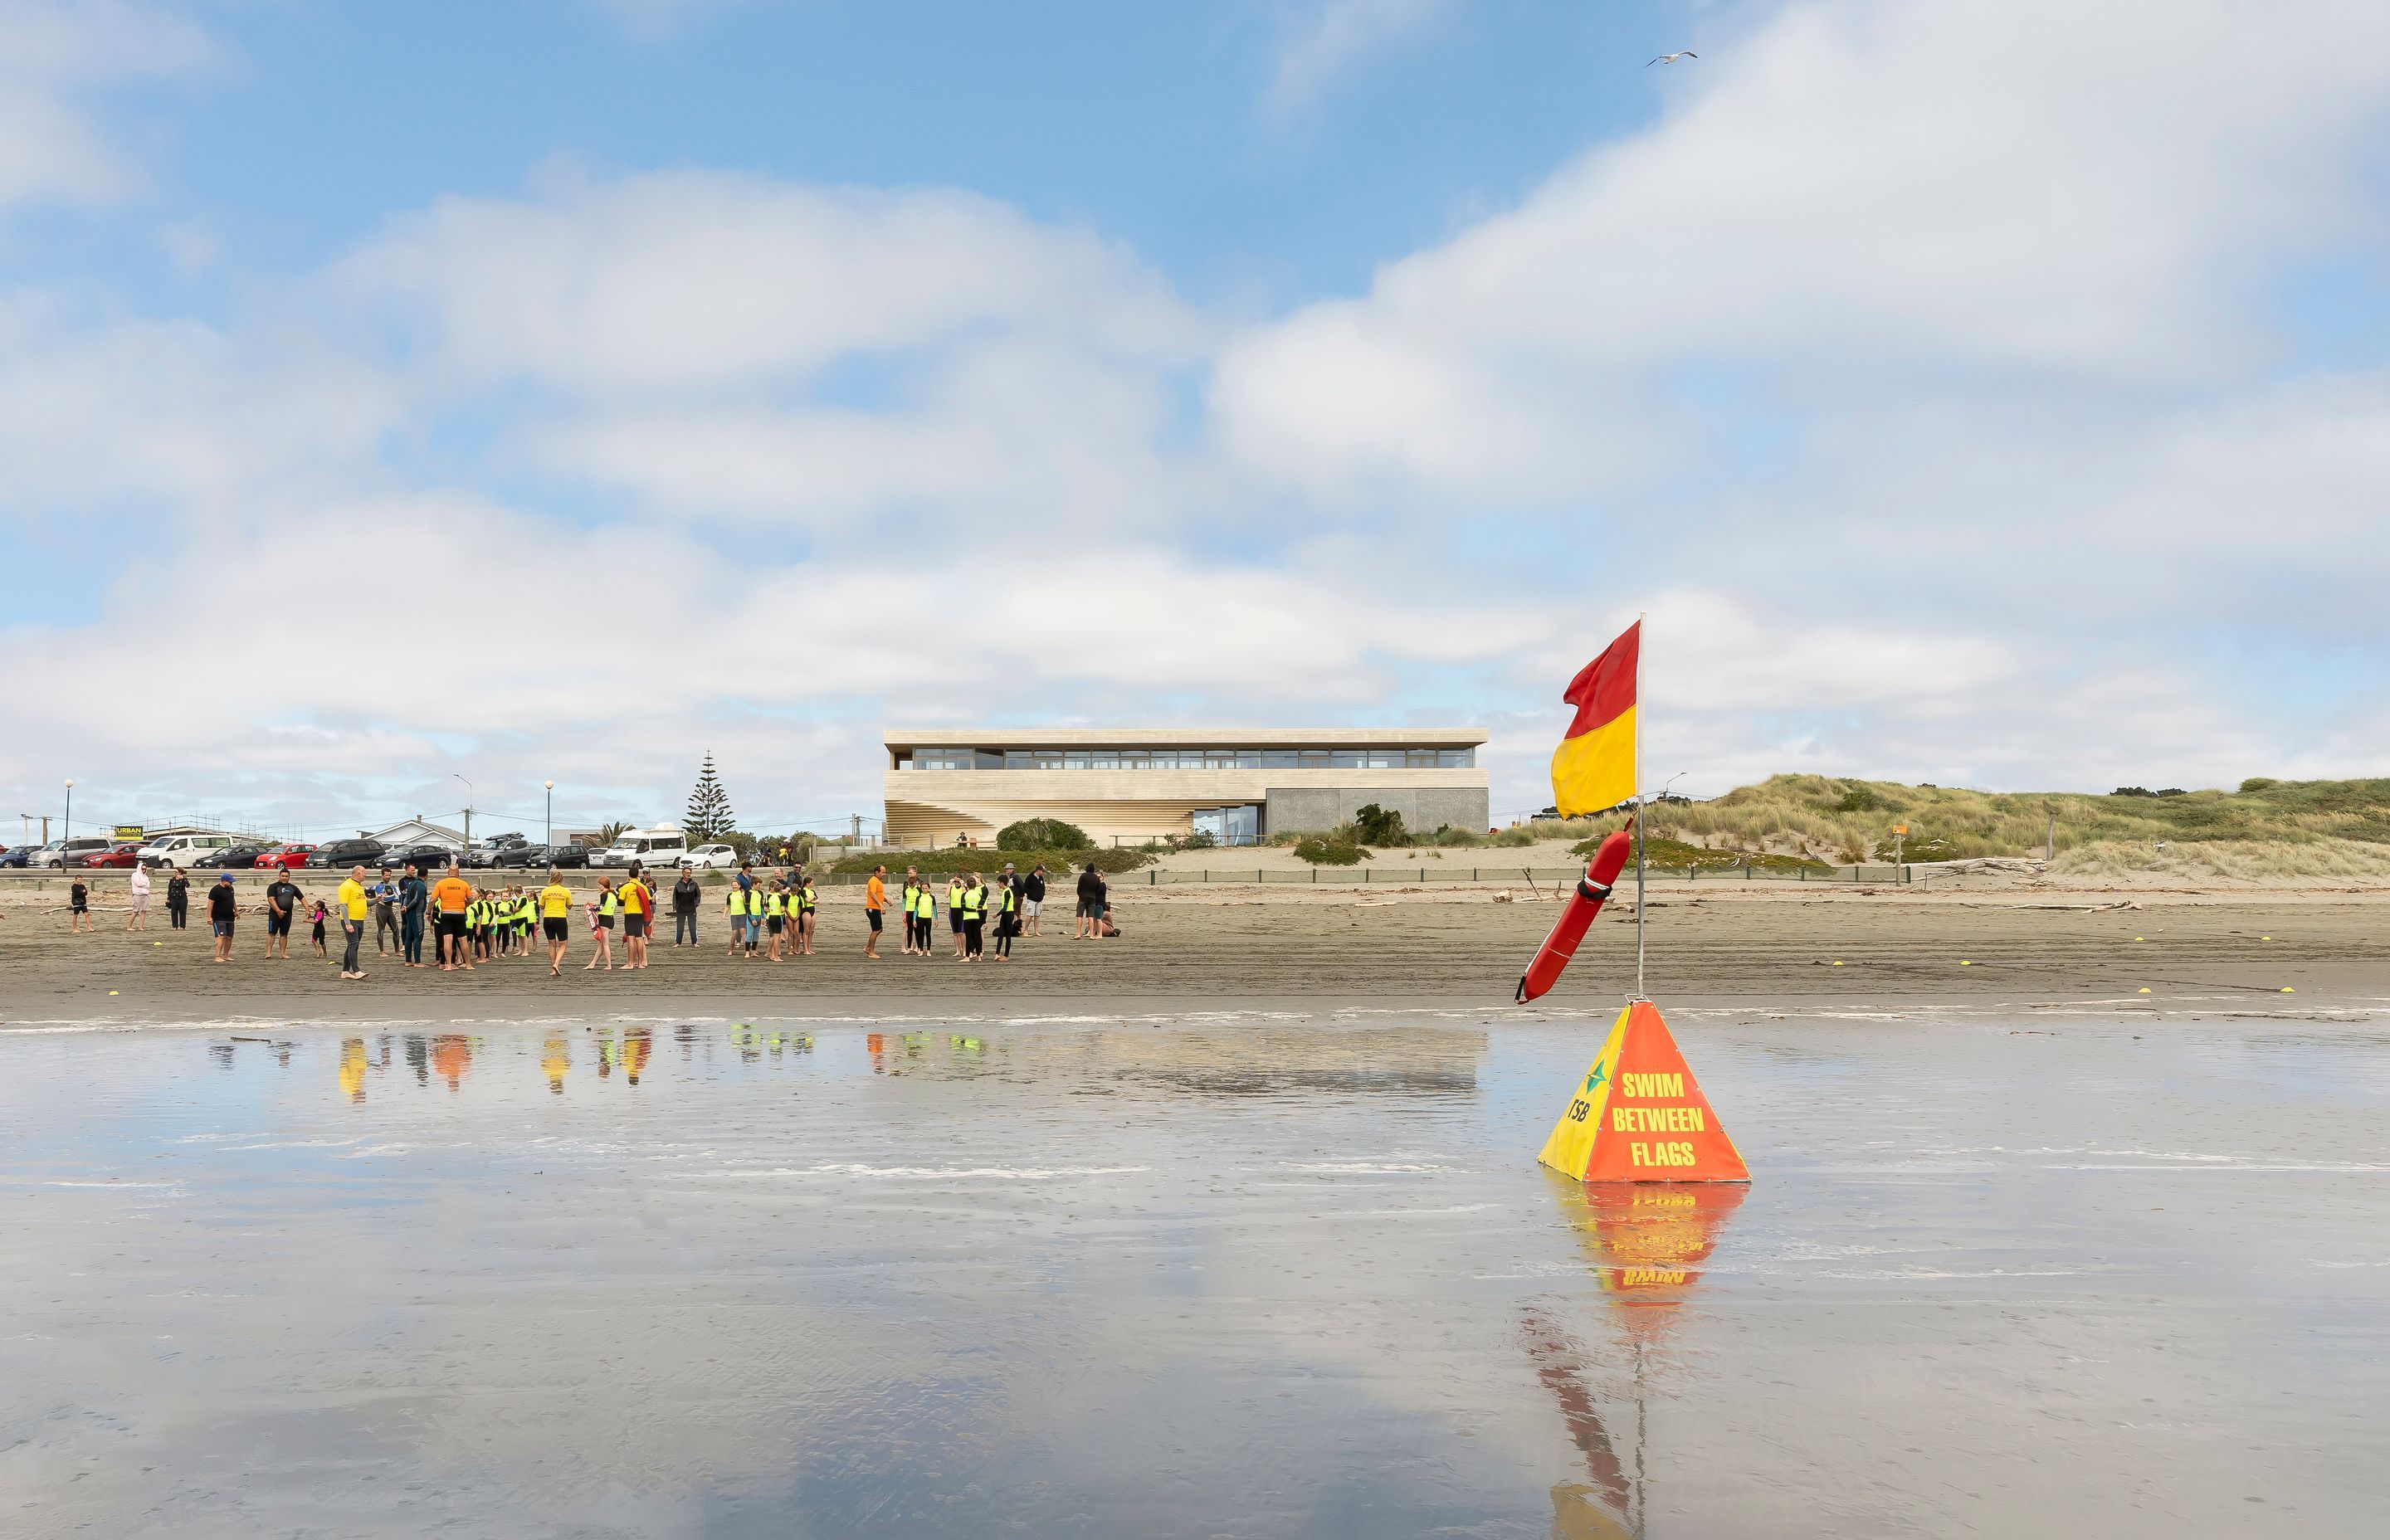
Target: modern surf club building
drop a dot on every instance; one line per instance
(1236, 785)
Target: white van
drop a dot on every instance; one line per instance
(661, 848)
(187, 851)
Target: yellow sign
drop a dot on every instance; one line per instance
(129, 831)
(1900, 828)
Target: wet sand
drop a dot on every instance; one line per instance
(1189, 1277)
(1228, 946)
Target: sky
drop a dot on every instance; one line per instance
(397, 399)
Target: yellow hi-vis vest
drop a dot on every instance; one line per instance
(606, 903)
(773, 905)
(806, 903)
(974, 901)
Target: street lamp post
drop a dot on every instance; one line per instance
(551, 823)
(468, 811)
(69, 836)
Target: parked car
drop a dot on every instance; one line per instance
(426, 859)
(124, 853)
(187, 851)
(235, 858)
(527, 857)
(287, 857)
(17, 855)
(569, 856)
(657, 849)
(718, 857)
(347, 853)
(60, 853)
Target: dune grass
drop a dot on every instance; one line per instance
(2323, 860)
(1838, 819)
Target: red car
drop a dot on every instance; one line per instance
(125, 855)
(288, 857)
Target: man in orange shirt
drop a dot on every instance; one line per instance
(450, 897)
(875, 900)
(639, 903)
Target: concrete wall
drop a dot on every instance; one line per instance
(1292, 810)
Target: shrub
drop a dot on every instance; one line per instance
(1377, 826)
(1043, 834)
(2259, 783)
(1330, 850)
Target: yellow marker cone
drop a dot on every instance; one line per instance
(111, 992)
(2286, 989)
(2265, 938)
(2145, 992)
(1964, 963)
(1838, 962)
(2141, 938)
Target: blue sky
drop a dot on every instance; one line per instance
(1957, 408)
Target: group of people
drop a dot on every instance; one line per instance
(1015, 901)
(772, 916)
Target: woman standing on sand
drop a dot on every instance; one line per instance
(601, 927)
(178, 900)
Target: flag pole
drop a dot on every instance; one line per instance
(1638, 811)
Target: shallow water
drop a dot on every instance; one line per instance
(1199, 1277)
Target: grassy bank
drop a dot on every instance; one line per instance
(1838, 819)
(985, 860)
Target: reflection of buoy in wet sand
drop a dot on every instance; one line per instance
(1640, 1116)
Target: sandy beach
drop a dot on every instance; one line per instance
(1761, 946)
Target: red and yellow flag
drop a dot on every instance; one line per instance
(1595, 766)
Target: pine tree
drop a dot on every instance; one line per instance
(709, 817)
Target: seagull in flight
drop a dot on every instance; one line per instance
(1671, 58)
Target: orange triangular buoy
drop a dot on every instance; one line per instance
(1640, 1116)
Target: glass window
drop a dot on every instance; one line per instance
(1104, 759)
(987, 759)
(1219, 759)
(1135, 759)
(1074, 759)
(1021, 759)
(1314, 759)
(904, 762)
(1249, 759)
(1456, 759)
(1277, 759)
(1165, 759)
(1420, 759)
(1345, 759)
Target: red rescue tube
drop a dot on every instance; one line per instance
(1591, 889)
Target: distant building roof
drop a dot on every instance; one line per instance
(1178, 738)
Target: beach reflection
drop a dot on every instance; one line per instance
(1646, 1242)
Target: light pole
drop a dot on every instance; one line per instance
(69, 836)
(551, 823)
(468, 811)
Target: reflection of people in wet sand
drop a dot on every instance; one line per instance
(637, 1043)
(554, 1060)
(452, 1054)
(353, 1068)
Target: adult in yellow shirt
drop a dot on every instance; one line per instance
(556, 922)
(450, 896)
(639, 903)
(353, 921)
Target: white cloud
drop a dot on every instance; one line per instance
(1338, 35)
(1866, 192)
(54, 55)
(686, 280)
